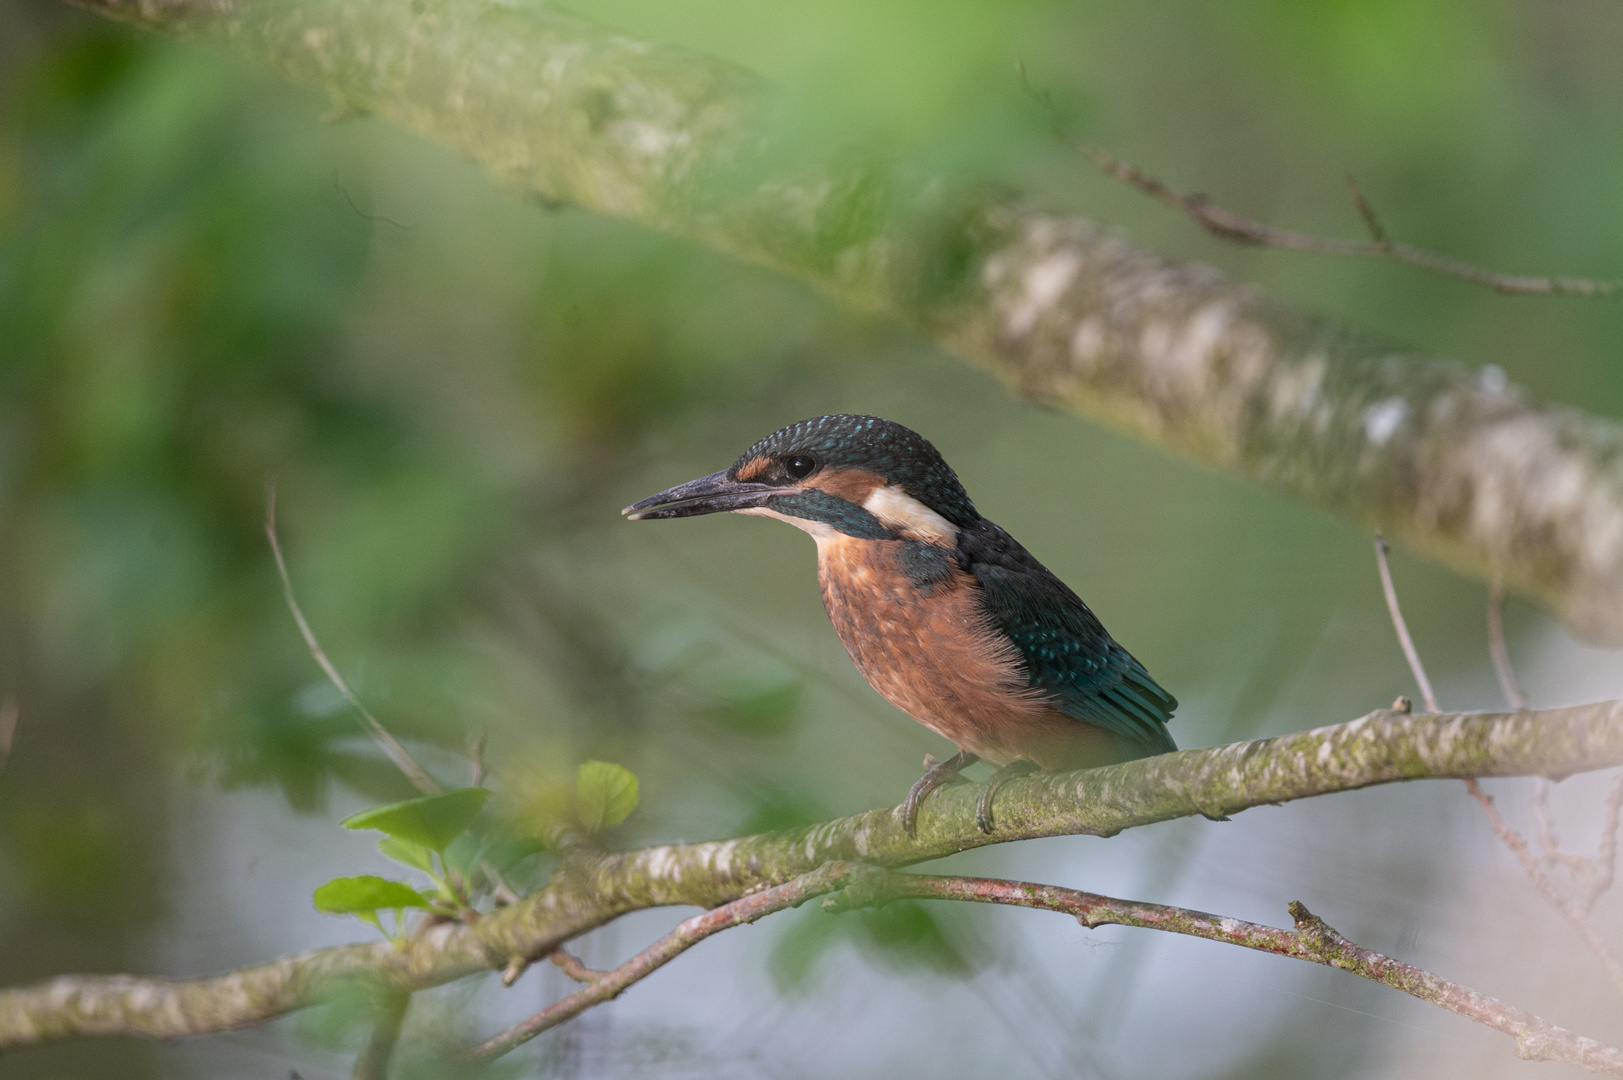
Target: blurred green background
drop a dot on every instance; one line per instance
(204, 286)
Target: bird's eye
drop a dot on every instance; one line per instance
(800, 466)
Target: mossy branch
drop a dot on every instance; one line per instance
(1457, 464)
(590, 888)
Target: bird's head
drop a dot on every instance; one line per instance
(854, 475)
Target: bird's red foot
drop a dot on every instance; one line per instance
(983, 805)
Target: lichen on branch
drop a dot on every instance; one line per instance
(1311, 939)
(592, 888)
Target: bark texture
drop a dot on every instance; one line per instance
(1455, 463)
(608, 985)
(1311, 939)
(591, 888)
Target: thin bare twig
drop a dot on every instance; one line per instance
(1518, 845)
(1409, 651)
(1575, 913)
(1591, 877)
(391, 746)
(1496, 646)
(1311, 939)
(1607, 870)
(10, 713)
(1227, 225)
(1580, 867)
(1512, 693)
(605, 986)
(1367, 212)
(1546, 821)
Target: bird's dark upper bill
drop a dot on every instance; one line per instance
(707, 495)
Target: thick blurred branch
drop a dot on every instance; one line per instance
(591, 888)
(1458, 464)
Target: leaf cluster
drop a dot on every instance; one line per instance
(461, 850)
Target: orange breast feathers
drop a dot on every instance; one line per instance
(932, 651)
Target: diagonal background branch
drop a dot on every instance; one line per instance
(1311, 939)
(1460, 466)
(590, 889)
(1227, 225)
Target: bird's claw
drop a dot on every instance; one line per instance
(983, 811)
(936, 774)
(910, 816)
(983, 803)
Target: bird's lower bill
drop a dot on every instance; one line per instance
(711, 494)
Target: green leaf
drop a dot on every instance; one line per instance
(507, 846)
(407, 853)
(365, 894)
(504, 850)
(907, 935)
(462, 853)
(433, 821)
(903, 936)
(793, 960)
(605, 794)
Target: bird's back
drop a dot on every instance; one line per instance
(1068, 655)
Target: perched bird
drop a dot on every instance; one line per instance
(944, 613)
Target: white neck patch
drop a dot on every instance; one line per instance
(898, 510)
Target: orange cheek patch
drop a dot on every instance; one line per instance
(852, 485)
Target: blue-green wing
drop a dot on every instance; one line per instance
(1069, 655)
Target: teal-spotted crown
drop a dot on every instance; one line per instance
(902, 456)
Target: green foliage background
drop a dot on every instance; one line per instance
(203, 286)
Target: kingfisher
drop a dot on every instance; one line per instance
(945, 614)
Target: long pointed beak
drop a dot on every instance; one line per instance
(711, 494)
